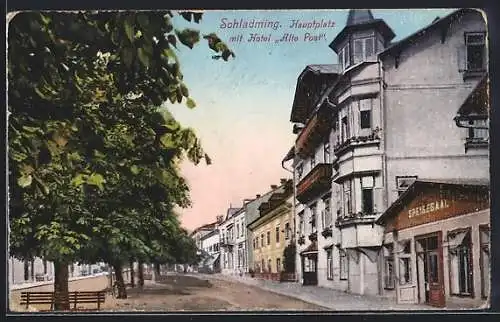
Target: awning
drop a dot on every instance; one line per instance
(353, 254)
(457, 239)
(370, 252)
(212, 260)
(311, 249)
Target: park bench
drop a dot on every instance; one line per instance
(74, 298)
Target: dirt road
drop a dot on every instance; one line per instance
(187, 293)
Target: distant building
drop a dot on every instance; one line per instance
(272, 232)
(210, 245)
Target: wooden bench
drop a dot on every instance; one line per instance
(74, 298)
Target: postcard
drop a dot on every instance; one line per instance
(248, 160)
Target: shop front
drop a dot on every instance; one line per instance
(436, 244)
(310, 264)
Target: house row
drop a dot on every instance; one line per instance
(390, 189)
(391, 163)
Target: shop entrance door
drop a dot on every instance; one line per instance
(430, 269)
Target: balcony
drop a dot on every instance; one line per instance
(355, 219)
(227, 242)
(357, 141)
(315, 131)
(317, 181)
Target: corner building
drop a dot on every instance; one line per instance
(386, 115)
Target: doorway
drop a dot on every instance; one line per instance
(430, 276)
(309, 269)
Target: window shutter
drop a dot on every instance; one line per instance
(461, 58)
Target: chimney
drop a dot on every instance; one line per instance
(273, 186)
(219, 219)
(283, 181)
(258, 196)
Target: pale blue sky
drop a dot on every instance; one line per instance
(243, 106)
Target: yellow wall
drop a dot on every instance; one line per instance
(275, 249)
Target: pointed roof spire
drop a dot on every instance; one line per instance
(359, 16)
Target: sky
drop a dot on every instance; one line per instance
(243, 107)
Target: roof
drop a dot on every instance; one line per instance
(210, 234)
(290, 154)
(389, 212)
(204, 227)
(359, 16)
(362, 19)
(422, 32)
(232, 211)
(477, 101)
(299, 107)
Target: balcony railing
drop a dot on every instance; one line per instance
(227, 242)
(356, 218)
(356, 141)
(314, 132)
(315, 182)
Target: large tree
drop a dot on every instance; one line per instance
(76, 81)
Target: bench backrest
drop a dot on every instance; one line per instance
(77, 296)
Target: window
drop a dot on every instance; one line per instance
(269, 238)
(237, 229)
(389, 267)
(313, 218)
(313, 160)
(287, 231)
(484, 239)
(402, 183)
(327, 212)
(262, 240)
(476, 51)
(344, 264)
(363, 48)
(347, 60)
(366, 119)
(329, 264)
(263, 267)
(345, 129)
(341, 58)
(277, 234)
(405, 262)
(257, 242)
(269, 266)
(278, 265)
(254, 247)
(347, 207)
(460, 251)
(326, 150)
(478, 134)
(300, 170)
(301, 223)
(367, 184)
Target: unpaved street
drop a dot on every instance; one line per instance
(187, 293)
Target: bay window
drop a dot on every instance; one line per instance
(313, 218)
(326, 151)
(367, 185)
(347, 198)
(327, 213)
(345, 129)
(479, 133)
(363, 49)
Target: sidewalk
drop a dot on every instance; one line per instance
(332, 299)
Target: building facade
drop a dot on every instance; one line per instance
(228, 241)
(211, 245)
(384, 116)
(436, 246)
(272, 232)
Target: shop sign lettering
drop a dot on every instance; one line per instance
(428, 208)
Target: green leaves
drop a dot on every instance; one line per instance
(25, 181)
(188, 37)
(190, 103)
(97, 180)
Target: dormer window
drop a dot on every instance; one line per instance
(363, 48)
(344, 57)
(476, 51)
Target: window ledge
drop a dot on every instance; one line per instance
(476, 144)
(473, 73)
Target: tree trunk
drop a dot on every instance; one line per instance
(141, 274)
(132, 273)
(122, 290)
(61, 288)
(157, 271)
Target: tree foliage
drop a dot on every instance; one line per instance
(93, 160)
